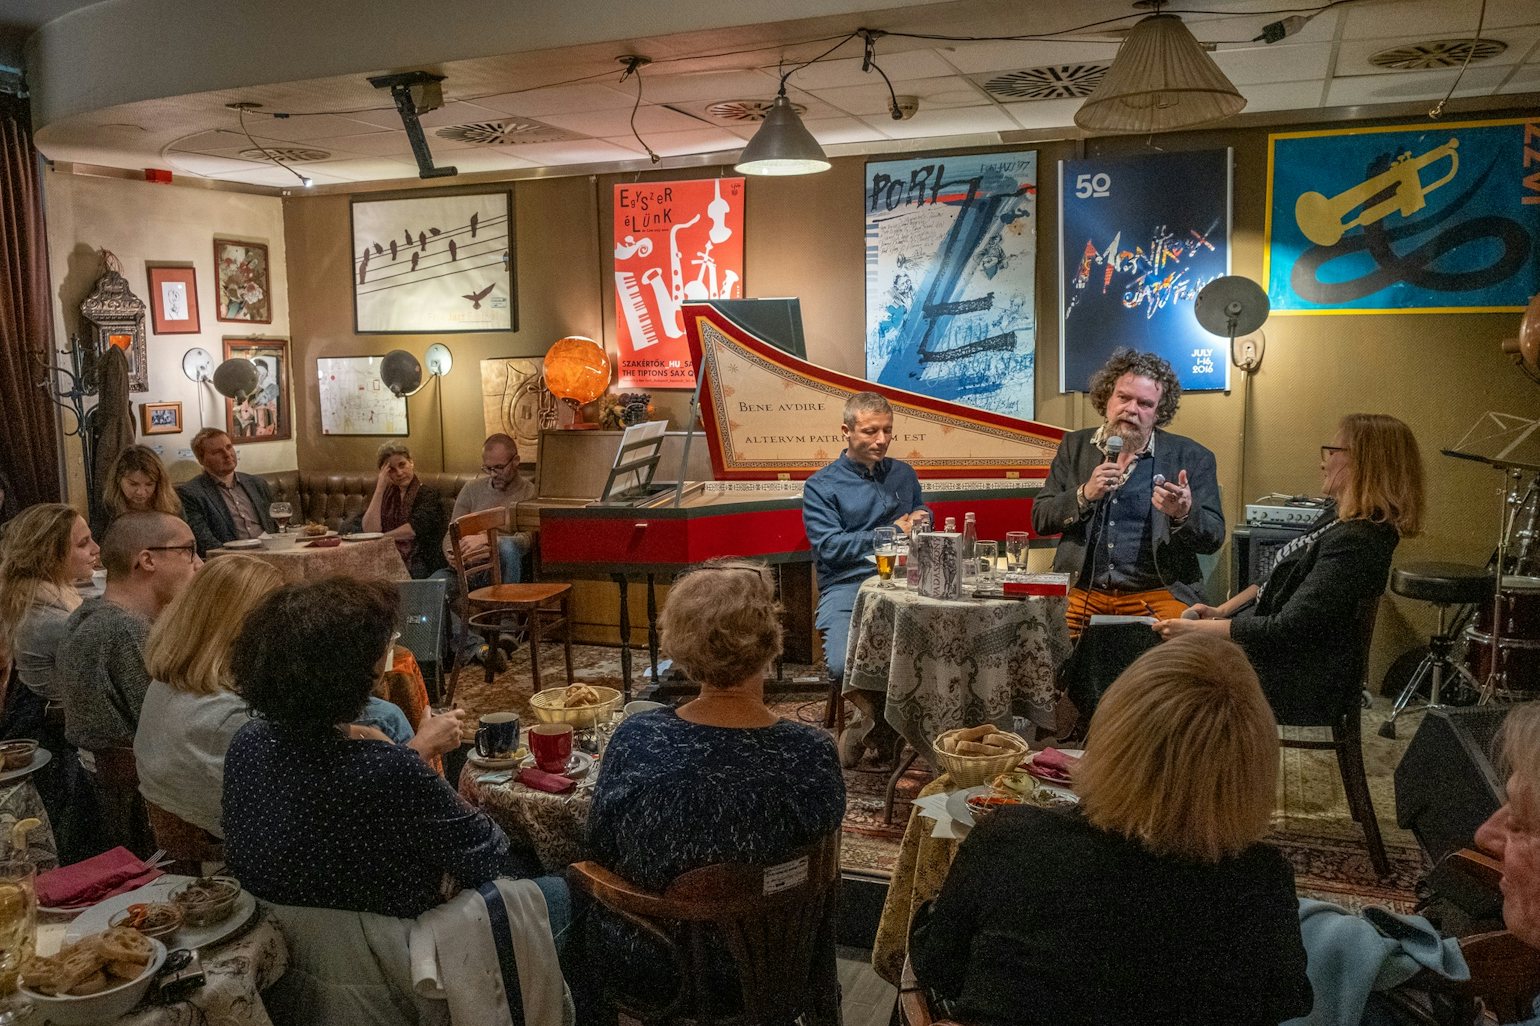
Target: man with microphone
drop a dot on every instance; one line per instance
(1134, 506)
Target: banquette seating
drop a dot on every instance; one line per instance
(337, 499)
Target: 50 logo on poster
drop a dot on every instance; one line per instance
(1094, 186)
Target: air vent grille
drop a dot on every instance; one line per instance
(505, 132)
(1054, 82)
(746, 110)
(1437, 53)
(288, 154)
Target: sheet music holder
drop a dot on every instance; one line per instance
(1501, 440)
(636, 463)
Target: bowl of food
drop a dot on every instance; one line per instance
(313, 530)
(156, 919)
(580, 704)
(972, 755)
(982, 806)
(16, 754)
(94, 980)
(207, 900)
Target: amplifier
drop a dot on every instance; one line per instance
(1284, 511)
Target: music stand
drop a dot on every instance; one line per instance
(636, 462)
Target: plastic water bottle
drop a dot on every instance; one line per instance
(970, 548)
(950, 526)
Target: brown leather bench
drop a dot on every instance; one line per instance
(337, 499)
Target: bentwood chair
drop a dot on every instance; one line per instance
(777, 923)
(188, 845)
(499, 609)
(124, 818)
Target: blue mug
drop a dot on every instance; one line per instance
(498, 735)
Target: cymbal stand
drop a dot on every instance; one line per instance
(1496, 683)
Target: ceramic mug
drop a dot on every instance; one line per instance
(498, 735)
(552, 745)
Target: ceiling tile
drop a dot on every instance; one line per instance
(366, 169)
(568, 99)
(943, 123)
(577, 151)
(484, 158)
(1282, 96)
(972, 58)
(1045, 113)
(601, 124)
(1353, 56)
(934, 94)
(278, 177)
(913, 64)
(1411, 85)
(709, 86)
(1278, 63)
(377, 144)
(454, 113)
(207, 164)
(1524, 80)
(675, 144)
(1432, 19)
(297, 129)
(834, 131)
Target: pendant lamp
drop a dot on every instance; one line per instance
(1161, 80)
(782, 146)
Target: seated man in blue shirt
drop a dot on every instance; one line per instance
(842, 505)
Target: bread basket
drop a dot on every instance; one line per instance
(971, 770)
(550, 706)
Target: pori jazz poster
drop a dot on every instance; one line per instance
(1423, 218)
(675, 242)
(951, 258)
(1139, 237)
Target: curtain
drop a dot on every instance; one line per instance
(28, 437)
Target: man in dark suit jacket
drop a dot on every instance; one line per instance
(1131, 528)
(220, 504)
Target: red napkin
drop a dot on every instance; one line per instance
(1052, 765)
(324, 543)
(540, 780)
(85, 883)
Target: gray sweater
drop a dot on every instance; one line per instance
(101, 668)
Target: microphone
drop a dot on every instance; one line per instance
(1114, 450)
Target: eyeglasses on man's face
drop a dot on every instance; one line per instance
(493, 469)
(191, 548)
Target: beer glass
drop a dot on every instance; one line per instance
(281, 512)
(885, 543)
(1016, 545)
(18, 933)
(988, 552)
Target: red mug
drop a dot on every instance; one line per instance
(552, 745)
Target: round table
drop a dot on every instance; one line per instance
(554, 826)
(949, 663)
(377, 558)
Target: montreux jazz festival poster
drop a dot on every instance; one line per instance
(1425, 218)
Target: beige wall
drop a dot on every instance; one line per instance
(140, 222)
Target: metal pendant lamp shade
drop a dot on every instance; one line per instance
(1160, 80)
(782, 146)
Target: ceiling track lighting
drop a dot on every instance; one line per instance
(415, 93)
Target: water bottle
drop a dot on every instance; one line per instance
(970, 553)
(951, 525)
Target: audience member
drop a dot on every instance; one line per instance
(1513, 832)
(1299, 625)
(722, 779)
(222, 504)
(502, 487)
(1154, 900)
(314, 816)
(137, 483)
(412, 515)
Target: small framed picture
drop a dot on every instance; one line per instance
(242, 289)
(173, 300)
(262, 416)
(160, 418)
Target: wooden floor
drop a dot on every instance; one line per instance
(868, 999)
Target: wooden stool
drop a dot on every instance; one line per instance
(535, 608)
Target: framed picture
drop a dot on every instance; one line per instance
(242, 290)
(434, 264)
(160, 418)
(264, 417)
(354, 401)
(173, 300)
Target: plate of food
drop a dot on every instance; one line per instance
(1034, 791)
(243, 543)
(235, 913)
(358, 536)
(39, 758)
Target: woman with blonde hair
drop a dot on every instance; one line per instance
(1154, 900)
(136, 483)
(1299, 625)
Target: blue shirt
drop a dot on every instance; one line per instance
(387, 718)
(1122, 551)
(844, 503)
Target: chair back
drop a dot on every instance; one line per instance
(123, 809)
(489, 522)
(184, 842)
(776, 922)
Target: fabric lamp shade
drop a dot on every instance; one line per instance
(577, 368)
(782, 146)
(1159, 81)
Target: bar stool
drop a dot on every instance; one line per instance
(1447, 586)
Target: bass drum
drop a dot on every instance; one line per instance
(1519, 660)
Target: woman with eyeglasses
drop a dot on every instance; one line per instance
(410, 514)
(1298, 625)
(722, 778)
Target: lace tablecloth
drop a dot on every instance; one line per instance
(947, 664)
(552, 825)
(19, 800)
(377, 558)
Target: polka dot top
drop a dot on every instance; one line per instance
(326, 822)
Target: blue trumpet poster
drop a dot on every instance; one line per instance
(1139, 237)
(1424, 218)
(951, 262)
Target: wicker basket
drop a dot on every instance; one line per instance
(972, 770)
(549, 708)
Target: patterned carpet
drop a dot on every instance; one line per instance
(1312, 825)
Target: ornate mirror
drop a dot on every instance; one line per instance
(115, 317)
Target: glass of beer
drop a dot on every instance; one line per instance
(1016, 545)
(281, 512)
(885, 542)
(18, 933)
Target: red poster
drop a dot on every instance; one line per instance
(674, 242)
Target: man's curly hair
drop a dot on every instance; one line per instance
(1145, 365)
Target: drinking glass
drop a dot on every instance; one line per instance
(885, 542)
(988, 553)
(1016, 545)
(281, 512)
(18, 933)
(901, 560)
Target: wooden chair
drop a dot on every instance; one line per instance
(188, 845)
(776, 922)
(499, 608)
(1343, 717)
(125, 819)
(913, 1005)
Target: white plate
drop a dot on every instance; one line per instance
(511, 762)
(577, 766)
(39, 760)
(957, 808)
(243, 543)
(95, 919)
(363, 536)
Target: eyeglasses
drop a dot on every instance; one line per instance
(493, 471)
(1327, 450)
(191, 548)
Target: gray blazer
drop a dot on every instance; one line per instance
(205, 511)
(1056, 511)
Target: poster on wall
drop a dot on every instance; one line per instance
(1421, 218)
(951, 257)
(434, 264)
(263, 416)
(1138, 238)
(674, 241)
(354, 401)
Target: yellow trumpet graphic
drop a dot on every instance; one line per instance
(1322, 219)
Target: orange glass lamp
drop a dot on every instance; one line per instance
(577, 369)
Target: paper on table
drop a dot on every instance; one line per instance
(934, 807)
(1107, 620)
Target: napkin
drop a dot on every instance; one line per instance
(540, 780)
(324, 543)
(95, 879)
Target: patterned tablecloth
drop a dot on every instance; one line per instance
(948, 664)
(377, 558)
(19, 800)
(552, 825)
(921, 869)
